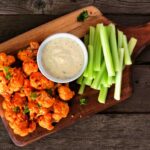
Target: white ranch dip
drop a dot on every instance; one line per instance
(62, 58)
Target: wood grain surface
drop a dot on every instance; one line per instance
(125, 126)
(56, 7)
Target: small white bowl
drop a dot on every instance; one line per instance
(42, 46)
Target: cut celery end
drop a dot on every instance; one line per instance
(132, 44)
(81, 89)
(94, 86)
(103, 95)
(117, 91)
(110, 81)
(127, 58)
(114, 49)
(88, 81)
(106, 50)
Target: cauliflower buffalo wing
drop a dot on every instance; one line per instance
(30, 99)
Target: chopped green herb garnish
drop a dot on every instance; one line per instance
(6, 69)
(16, 109)
(33, 95)
(26, 110)
(83, 16)
(39, 105)
(8, 76)
(83, 101)
(49, 91)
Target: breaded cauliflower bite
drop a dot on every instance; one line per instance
(44, 99)
(30, 67)
(27, 54)
(6, 60)
(3, 83)
(61, 110)
(46, 121)
(65, 93)
(40, 82)
(26, 89)
(16, 80)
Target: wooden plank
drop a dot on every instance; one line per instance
(123, 7)
(62, 7)
(106, 132)
(41, 6)
(12, 25)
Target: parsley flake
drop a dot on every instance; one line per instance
(16, 109)
(26, 110)
(83, 16)
(83, 101)
(39, 105)
(6, 69)
(33, 95)
(49, 91)
(8, 76)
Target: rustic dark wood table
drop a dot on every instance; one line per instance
(125, 126)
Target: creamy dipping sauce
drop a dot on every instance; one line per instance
(62, 58)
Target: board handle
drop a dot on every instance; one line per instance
(142, 33)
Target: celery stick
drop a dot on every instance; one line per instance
(110, 80)
(120, 39)
(80, 79)
(104, 80)
(81, 89)
(106, 50)
(86, 40)
(91, 35)
(98, 77)
(113, 79)
(127, 58)
(97, 49)
(90, 67)
(100, 86)
(108, 28)
(87, 81)
(113, 45)
(95, 74)
(91, 41)
(117, 91)
(103, 95)
(131, 44)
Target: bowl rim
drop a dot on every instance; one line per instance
(59, 35)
